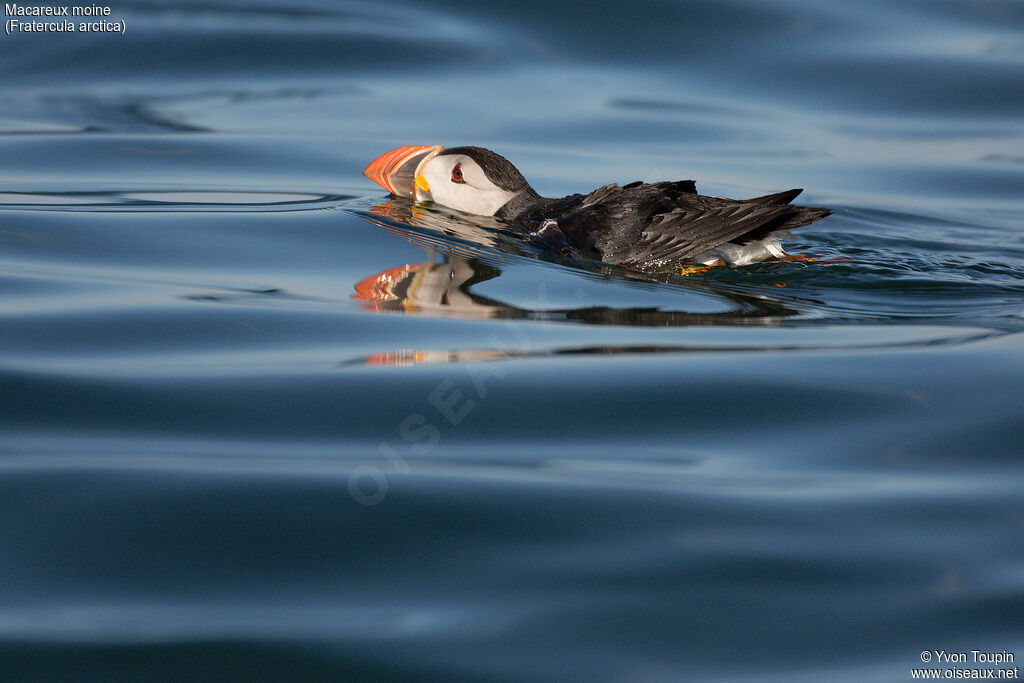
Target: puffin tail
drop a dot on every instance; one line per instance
(800, 216)
(778, 199)
(805, 215)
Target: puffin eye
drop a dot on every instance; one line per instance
(457, 174)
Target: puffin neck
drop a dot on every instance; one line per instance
(519, 205)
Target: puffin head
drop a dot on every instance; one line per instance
(470, 179)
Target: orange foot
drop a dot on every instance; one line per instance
(797, 257)
(694, 269)
(815, 259)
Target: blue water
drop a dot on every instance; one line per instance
(258, 421)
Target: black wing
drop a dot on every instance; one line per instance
(591, 222)
(644, 232)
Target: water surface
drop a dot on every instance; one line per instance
(259, 420)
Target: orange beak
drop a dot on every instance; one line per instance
(396, 170)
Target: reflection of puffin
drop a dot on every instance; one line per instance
(446, 287)
(648, 226)
(431, 288)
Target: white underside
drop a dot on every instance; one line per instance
(767, 249)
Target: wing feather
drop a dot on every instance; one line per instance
(650, 226)
(685, 232)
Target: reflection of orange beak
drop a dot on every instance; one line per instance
(396, 170)
(378, 287)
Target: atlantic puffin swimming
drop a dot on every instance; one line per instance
(646, 226)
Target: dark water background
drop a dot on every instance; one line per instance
(220, 460)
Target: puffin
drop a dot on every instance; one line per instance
(644, 226)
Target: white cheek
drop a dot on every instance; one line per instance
(484, 202)
(481, 198)
(487, 202)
